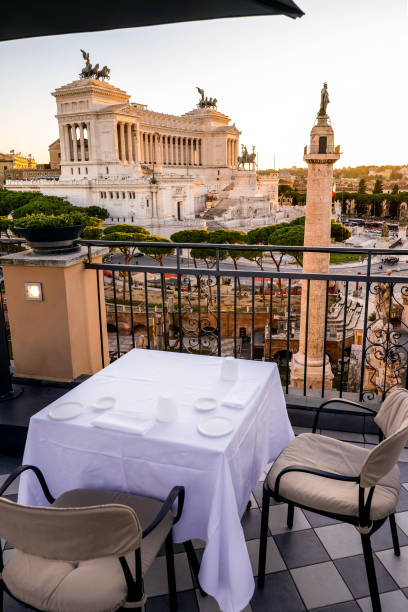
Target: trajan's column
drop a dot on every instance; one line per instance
(320, 157)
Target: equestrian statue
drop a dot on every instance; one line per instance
(247, 158)
(93, 72)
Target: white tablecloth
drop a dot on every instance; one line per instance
(217, 473)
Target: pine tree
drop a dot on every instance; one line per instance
(362, 186)
(378, 187)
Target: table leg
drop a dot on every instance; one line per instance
(194, 563)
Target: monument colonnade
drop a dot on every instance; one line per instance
(77, 141)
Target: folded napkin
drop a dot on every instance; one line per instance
(240, 394)
(126, 422)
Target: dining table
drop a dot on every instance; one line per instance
(126, 448)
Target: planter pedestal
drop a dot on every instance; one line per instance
(57, 338)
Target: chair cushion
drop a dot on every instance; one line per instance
(97, 585)
(336, 496)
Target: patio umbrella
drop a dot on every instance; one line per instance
(46, 18)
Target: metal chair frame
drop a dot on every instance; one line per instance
(362, 521)
(135, 586)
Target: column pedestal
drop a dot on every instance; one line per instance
(314, 373)
(57, 338)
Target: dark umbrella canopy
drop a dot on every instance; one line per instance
(49, 18)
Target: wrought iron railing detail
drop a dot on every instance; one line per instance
(253, 312)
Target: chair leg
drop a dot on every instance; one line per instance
(291, 511)
(263, 540)
(394, 534)
(171, 573)
(372, 578)
(194, 563)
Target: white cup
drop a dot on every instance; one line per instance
(166, 408)
(229, 368)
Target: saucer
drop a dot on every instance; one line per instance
(65, 411)
(205, 404)
(216, 426)
(104, 403)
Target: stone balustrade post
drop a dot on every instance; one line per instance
(57, 337)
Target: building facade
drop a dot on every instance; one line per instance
(148, 167)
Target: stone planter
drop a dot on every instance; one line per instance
(51, 239)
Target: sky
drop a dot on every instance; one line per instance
(266, 72)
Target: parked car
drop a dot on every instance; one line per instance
(391, 261)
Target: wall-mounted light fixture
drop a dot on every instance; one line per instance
(33, 291)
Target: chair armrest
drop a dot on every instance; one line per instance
(39, 475)
(176, 492)
(308, 470)
(348, 402)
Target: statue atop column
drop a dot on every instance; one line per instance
(324, 100)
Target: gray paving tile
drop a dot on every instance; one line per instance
(381, 539)
(13, 488)
(301, 548)
(251, 524)
(277, 519)
(340, 540)
(396, 566)
(258, 496)
(403, 468)
(402, 505)
(279, 594)
(209, 604)
(274, 561)
(346, 606)
(353, 572)
(186, 600)
(320, 585)
(402, 521)
(390, 602)
(156, 578)
(318, 520)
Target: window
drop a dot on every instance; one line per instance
(111, 194)
(123, 195)
(86, 170)
(72, 171)
(107, 170)
(147, 203)
(117, 194)
(79, 170)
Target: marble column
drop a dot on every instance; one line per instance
(81, 141)
(88, 136)
(129, 141)
(307, 365)
(75, 142)
(122, 141)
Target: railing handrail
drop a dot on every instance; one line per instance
(244, 247)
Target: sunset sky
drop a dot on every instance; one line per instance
(266, 73)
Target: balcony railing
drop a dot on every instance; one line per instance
(322, 150)
(244, 306)
(251, 310)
